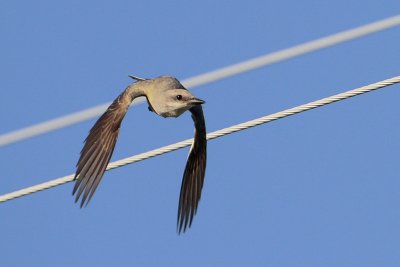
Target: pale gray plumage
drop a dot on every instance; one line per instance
(166, 97)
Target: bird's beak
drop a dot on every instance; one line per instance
(136, 78)
(196, 101)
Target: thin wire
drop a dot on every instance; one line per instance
(267, 59)
(213, 135)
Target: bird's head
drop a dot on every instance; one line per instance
(167, 97)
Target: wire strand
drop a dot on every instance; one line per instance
(212, 76)
(213, 135)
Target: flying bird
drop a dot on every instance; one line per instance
(166, 97)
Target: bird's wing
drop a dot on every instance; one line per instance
(98, 148)
(193, 176)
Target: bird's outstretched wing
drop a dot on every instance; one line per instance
(193, 176)
(98, 148)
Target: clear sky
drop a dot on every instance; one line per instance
(317, 189)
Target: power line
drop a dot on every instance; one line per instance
(267, 59)
(213, 135)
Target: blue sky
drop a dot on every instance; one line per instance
(317, 189)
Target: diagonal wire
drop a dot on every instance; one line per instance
(213, 135)
(248, 65)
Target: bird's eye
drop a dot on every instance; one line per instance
(179, 97)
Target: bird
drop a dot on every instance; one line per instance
(166, 97)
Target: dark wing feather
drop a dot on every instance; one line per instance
(193, 176)
(98, 149)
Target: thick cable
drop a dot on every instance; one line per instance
(213, 135)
